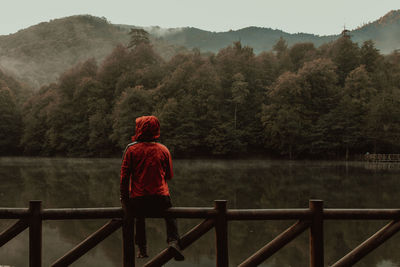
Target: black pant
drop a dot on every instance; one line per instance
(153, 205)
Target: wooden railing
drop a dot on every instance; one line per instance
(382, 157)
(311, 218)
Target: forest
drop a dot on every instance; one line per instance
(334, 101)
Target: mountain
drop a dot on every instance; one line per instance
(38, 54)
(17, 90)
(260, 39)
(385, 32)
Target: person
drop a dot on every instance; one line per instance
(145, 169)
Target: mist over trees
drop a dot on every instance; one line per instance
(38, 54)
(334, 101)
(12, 97)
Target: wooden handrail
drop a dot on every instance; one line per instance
(268, 214)
(217, 217)
(196, 212)
(82, 213)
(361, 214)
(382, 157)
(114, 212)
(14, 213)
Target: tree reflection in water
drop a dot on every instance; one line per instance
(63, 182)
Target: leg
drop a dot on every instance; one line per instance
(173, 238)
(172, 229)
(140, 234)
(128, 238)
(172, 233)
(170, 222)
(140, 237)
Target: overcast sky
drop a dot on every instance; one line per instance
(321, 17)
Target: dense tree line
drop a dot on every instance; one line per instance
(334, 101)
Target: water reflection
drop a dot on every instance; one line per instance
(245, 184)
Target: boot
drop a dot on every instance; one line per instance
(174, 246)
(142, 253)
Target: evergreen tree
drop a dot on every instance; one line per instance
(383, 122)
(301, 101)
(282, 53)
(346, 55)
(133, 102)
(370, 57)
(300, 53)
(138, 37)
(239, 93)
(39, 136)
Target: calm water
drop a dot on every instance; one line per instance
(245, 184)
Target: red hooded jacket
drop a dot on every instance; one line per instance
(146, 165)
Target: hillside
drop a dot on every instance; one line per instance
(17, 90)
(38, 54)
(260, 39)
(385, 32)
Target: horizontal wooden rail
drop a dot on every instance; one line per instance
(203, 212)
(114, 212)
(268, 214)
(361, 214)
(82, 213)
(217, 217)
(14, 213)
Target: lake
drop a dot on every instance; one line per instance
(61, 182)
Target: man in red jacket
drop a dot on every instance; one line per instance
(146, 167)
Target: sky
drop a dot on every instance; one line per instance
(320, 17)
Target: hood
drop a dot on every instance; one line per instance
(147, 129)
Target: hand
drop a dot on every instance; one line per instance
(124, 204)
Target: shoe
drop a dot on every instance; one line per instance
(174, 246)
(142, 253)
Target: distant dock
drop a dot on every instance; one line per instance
(382, 157)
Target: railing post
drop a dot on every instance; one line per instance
(316, 234)
(221, 233)
(128, 242)
(35, 233)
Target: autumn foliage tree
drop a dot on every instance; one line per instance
(297, 101)
(11, 124)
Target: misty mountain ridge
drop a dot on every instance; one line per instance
(39, 54)
(385, 32)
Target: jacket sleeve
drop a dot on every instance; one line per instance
(125, 176)
(169, 172)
